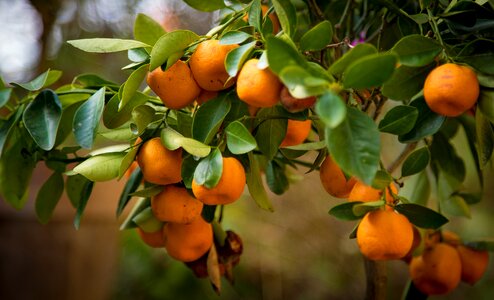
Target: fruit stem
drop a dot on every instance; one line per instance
(435, 28)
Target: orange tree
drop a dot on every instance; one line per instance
(211, 121)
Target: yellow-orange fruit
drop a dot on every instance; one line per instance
(366, 193)
(205, 96)
(296, 132)
(175, 204)
(175, 87)
(188, 242)
(417, 239)
(473, 263)
(258, 87)
(333, 179)
(451, 89)
(153, 239)
(229, 188)
(158, 164)
(208, 65)
(437, 271)
(384, 235)
(293, 104)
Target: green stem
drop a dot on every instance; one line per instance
(435, 28)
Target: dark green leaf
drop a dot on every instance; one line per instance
(131, 186)
(255, 186)
(48, 197)
(131, 85)
(362, 208)
(270, 134)
(87, 118)
(147, 30)
(106, 45)
(359, 51)
(427, 123)
(276, 178)
(189, 165)
(331, 109)
(369, 71)
(236, 58)
(355, 145)
(101, 167)
(75, 187)
(486, 104)
(208, 212)
(114, 118)
(406, 82)
(6, 128)
(419, 190)
(169, 45)
(443, 155)
(317, 37)
(35, 84)
(417, 50)
(239, 139)
(344, 211)
(148, 191)
(422, 216)
(485, 138)
(209, 118)
(399, 120)
(85, 194)
(209, 170)
(287, 16)
(42, 117)
(210, 5)
(308, 146)
(416, 162)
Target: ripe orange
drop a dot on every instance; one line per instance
(417, 240)
(333, 180)
(228, 189)
(437, 271)
(384, 235)
(366, 193)
(188, 242)
(293, 104)
(296, 132)
(205, 96)
(176, 87)
(208, 65)
(158, 164)
(451, 89)
(153, 239)
(473, 263)
(175, 204)
(258, 87)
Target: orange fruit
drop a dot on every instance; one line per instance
(207, 64)
(175, 87)
(451, 89)
(293, 104)
(272, 17)
(437, 271)
(258, 87)
(473, 263)
(175, 204)
(296, 132)
(333, 180)
(384, 235)
(205, 96)
(366, 193)
(152, 239)
(188, 242)
(417, 239)
(158, 164)
(229, 188)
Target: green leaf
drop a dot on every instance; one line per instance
(5, 96)
(287, 16)
(147, 221)
(131, 186)
(484, 245)
(443, 155)
(140, 205)
(282, 54)
(317, 37)
(148, 192)
(276, 177)
(106, 45)
(270, 134)
(131, 85)
(138, 56)
(355, 145)
(48, 197)
(87, 118)
(42, 117)
(485, 138)
(142, 116)
(235, 58)
(101, 167)
(35, 84)
(331, 109)
(75, 187)
(421, 216)
(456, 206)
(147, 30)
(209, 170)
(486, 104)
(419, 189)
(255, 14)
(344, 211)
(382, 180)
(399, 120)
(357, 52)
(120, 134)
(114, 118)
(362, 208)
(85, 194)
(173, 140)
(406, 82)
(255, 186)
(308, 146)
(416, 50)
(369, 71)
(208, 212)
(53, 76)
(7, 127)
(239, 139)
(301, 83)
(210, 5)
(169, 45)
(209, 118)
(189, 165)
(93, 81)
(427, 123)
(234, 37)
(416, 162)
(127, 161)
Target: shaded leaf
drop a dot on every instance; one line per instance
(86, 190)
(399, 120)
(131, 186)
(485, 138)
(416, 162)
(236, 58)
(48, 197)
(422, 216)
(427, 123)
(344, 211)
(331, 109)
(209, 170)
(369, 71)
(357, 52)
(255, 186)
(209, 118)
(276, 177)
(317, 37)
(406, 82)
(416, 50)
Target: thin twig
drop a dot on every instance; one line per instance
(397, 162)
(317, 11)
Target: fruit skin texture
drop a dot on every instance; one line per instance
(176, 87)
(158, 164)
(175, 204)
(293, 104)
(451, 89)
(296, 132)
(152, 239)
(473, 264)
(188, 242)
(228, 189)
(333, 180)
(437, 271)
(258, 87)
(384, 235)
(366, 193)
(207, 64)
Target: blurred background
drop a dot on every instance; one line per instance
(297, 252)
